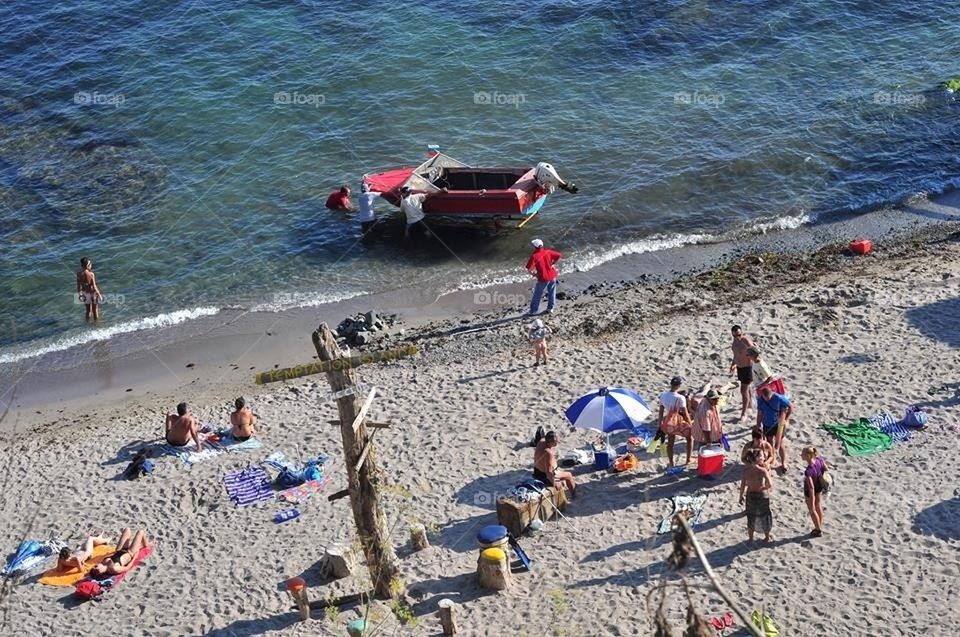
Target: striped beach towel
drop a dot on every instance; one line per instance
(885, 422)
(248, 486)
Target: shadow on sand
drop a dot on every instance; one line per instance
(937, 320)
(941, 520)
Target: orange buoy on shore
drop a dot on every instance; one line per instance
(861, 246)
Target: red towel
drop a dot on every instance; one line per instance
(142, 555)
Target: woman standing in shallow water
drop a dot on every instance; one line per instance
(87, 290)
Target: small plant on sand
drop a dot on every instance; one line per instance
(332, 613)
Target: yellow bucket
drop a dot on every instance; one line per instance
(493, 555)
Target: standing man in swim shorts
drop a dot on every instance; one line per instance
(87, 290)
(743, 365)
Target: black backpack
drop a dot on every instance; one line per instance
(538, 436)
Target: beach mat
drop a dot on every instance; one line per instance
(859, 438)
(189, 455)
(56, 577)
(693, 504)
(305, 490)
(248, 486)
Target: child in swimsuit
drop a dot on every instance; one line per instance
(538, 336)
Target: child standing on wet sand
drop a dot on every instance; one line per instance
(538, 336)
(756, 484)
(813, 487)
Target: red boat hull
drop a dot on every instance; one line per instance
(521, 199)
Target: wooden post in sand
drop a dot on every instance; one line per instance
(361, 468)
(448, 616)
(418, 537)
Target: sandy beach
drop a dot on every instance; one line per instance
(852, 336)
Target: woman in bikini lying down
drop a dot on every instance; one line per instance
(128, 547)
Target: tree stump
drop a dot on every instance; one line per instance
(340, 561)
(418, 537)
(493, 569)
(448, 616)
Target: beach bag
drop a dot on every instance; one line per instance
(539, 435)
(826, 481)
(914, 417)
(288, 478)
(88, 589)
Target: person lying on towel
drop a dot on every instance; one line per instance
(128, 547)
(545, 465)
(73, 560)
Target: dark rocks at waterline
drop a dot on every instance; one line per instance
(365, 328)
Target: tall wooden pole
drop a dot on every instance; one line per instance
(362, 481)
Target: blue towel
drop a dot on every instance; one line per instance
(248, 486)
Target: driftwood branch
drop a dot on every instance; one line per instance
(754, 630)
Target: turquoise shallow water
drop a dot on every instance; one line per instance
(148, 136)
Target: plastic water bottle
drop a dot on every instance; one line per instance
(286, 516)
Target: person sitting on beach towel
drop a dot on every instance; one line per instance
(545, 465)
(181, 427)
(73, 560)
(674, 418)
(773, 412)
(756, 485)
(242, 421)
(122, 560)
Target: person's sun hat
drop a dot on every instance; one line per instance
(536, 243)
(713, 394)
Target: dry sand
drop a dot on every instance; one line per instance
(864, 335)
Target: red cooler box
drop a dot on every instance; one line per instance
(710, 461)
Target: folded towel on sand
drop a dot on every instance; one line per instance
(304, 490)
(56, 577)
(691, 505)
(859, 438)
(248, 486)
(31, 555)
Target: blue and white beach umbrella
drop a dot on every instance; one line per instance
(609, 409)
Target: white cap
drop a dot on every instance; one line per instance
(538, 323)
(537, 243)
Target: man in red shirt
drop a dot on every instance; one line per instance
(340, 200)
(540, 265)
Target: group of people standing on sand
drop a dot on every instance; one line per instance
(767, 444)
(696, 417)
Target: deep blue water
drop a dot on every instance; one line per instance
(148, 136)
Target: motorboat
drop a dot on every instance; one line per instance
(459, 192)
